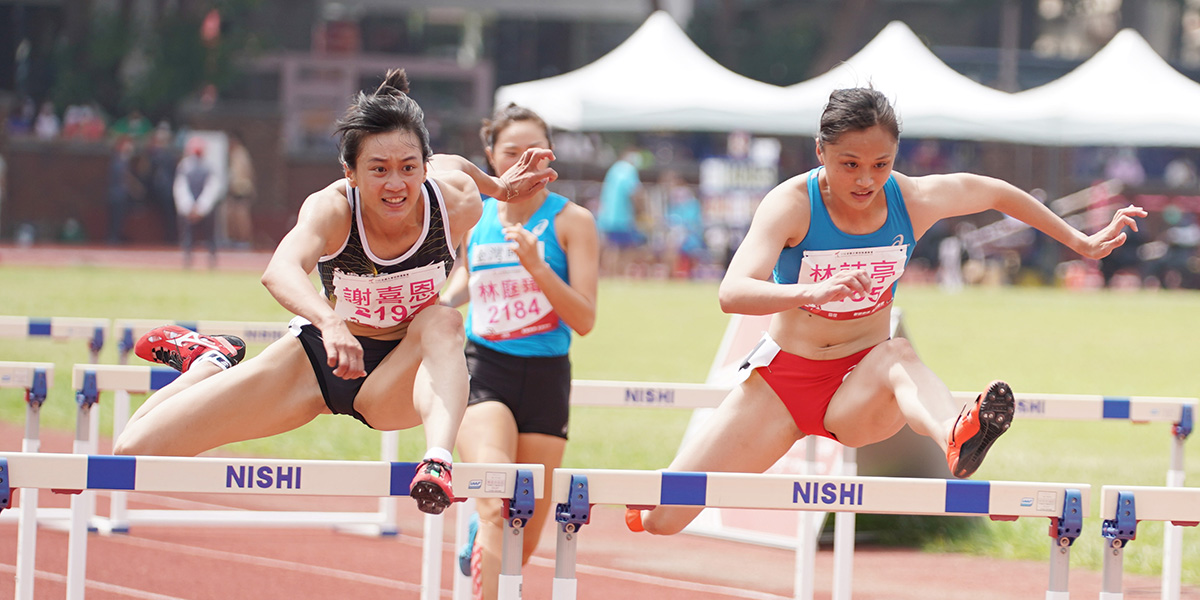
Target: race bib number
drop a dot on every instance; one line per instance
(386, 300)
(506, 303)
(884, 264)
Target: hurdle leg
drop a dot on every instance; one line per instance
(118, 514)
(389, 506)
(565, 548)
(510, 559)
(1060, 565)
(27, 527)
(843, 536)
(1172, 572)
(77, 540)
(431, 563)
(462, 583)
(806, 536)
(1114, 555)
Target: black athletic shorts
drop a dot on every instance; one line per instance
(536, 389)
(339, 393)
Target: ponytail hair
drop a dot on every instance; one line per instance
(389, 108)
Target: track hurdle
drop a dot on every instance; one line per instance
(575, 491)
(92, 380)
(520, 484)
(58, 328)
(1179, 412)
(127, 331)
(35, 379)
(1122, 507)
(94, 331)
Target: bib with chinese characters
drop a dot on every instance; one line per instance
(884, 264)
(506, 303)
(386, 300)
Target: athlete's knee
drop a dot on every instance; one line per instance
(439, 321)
(900, 350)
(133, 442)
(663, 521)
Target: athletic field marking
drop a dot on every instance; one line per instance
(95, 585)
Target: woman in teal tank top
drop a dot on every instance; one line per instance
(531, 271)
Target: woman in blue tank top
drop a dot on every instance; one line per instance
(531, 276)
(823, 255)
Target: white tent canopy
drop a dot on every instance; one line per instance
(1124, 95)
(932, 99)
(658, 79)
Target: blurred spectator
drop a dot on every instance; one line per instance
(1180, 174)
(83, 122)
(3, 183)
(123, 187)
(46, 127)
(951, 252)
(160, 180)
(20, 120)
(620, 195)
(1177, 269)
(196, 195)
(238, 222)
(133, 125)
(685, 226)
(1124, 165)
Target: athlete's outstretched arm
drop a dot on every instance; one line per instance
(530, 174)
(322, 216)
(936, 197)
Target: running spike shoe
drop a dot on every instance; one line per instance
(179, 347)
(633, 520)
(978, 426)
(431, 486)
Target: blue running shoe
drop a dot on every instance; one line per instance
(464, 553)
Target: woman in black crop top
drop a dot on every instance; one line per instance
(375, 344)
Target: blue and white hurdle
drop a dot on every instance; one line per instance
(1122, 507)
(91, 380)
(36, 379)
(92, 330)
(575, 491)
(1179, 412)
(127, 331)
(520, 484)
(95, 331)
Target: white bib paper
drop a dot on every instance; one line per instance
(386, 300)
(884, 264)
(506, 303)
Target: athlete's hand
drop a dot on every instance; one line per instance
(1103, 242)
(531, 173)
(344, 352)
(841, 285)
(526, 245)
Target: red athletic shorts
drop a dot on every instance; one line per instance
(806, 386)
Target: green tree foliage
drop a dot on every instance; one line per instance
(123, 65)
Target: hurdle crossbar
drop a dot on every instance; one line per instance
(95, 331)
(1122, 508)
(36, 378)
(128, 331)
(576, 490)
(519, 483)
(91, 380)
